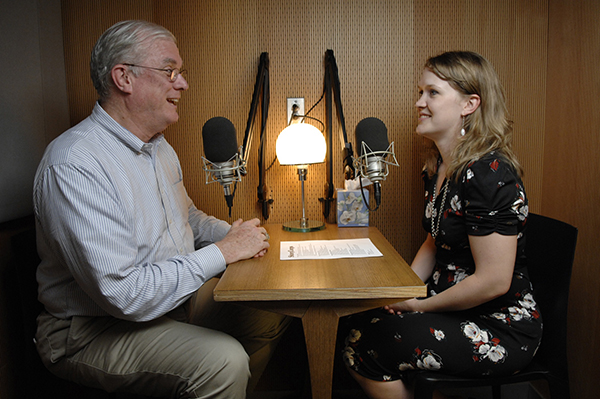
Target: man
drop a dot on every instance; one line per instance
(123, 247)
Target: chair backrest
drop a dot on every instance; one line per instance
(550, 250)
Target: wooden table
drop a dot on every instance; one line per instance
(320, 291)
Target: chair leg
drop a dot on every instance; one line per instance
(497, 391)
(559, 389)
(424, 391)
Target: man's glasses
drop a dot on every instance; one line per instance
(172, 73)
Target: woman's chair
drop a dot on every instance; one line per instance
(550, 250)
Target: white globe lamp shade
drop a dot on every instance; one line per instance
(300, 144)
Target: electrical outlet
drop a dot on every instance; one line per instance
(290, 103)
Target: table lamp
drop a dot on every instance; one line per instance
(301, 144)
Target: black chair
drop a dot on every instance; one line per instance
(550, 250)
(33, 378)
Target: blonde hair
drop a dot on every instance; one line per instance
(488, 128)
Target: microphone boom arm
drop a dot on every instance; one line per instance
(332, 94)
(260, 95)
(258, 88)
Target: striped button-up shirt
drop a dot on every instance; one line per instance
(116, 231)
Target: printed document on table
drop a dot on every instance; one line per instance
(328, 249)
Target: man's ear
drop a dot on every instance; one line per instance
(473, 102)
(121, 77)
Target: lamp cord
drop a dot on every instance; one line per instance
(303, 116)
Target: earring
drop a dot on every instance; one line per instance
(462, 131)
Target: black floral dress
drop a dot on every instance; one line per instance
(496, 338)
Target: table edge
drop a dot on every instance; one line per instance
(319, 294)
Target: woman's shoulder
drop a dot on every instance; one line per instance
(493, 195)
(493, 163)
(491, 178)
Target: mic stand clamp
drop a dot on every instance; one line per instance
(226, 174)
(374, 166)
(327, 201)
(264, 202)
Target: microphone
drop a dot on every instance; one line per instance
(223, 163)
(371, 136)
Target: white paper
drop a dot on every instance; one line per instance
(328, 249)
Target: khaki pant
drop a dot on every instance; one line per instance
(189, 353)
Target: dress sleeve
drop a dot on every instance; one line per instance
(493, 197)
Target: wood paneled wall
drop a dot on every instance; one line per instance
(380, 47)
(572, 170)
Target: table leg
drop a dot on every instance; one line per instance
(320, 324)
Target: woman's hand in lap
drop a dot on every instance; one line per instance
(410, 305)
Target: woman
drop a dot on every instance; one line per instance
(479, 317)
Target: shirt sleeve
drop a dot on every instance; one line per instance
(207, 229)
(85, 228)
(493, 197)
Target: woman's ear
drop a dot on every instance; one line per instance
(122, 78)
(472, 104)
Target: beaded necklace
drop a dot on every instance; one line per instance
(435, 213)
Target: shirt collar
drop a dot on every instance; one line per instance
(123, 135)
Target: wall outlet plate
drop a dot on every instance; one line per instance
(291, 101)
